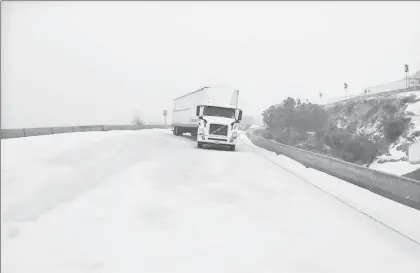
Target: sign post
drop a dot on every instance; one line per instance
(345, 90)
(165, 113)
(406, 69)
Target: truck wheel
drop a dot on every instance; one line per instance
(232, 147)
(199, 145)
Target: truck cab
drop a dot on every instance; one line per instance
(217, 125)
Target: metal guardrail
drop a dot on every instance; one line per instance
(400, 189)
(26, 132)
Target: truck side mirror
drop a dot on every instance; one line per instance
(240, 115)
(197, 111)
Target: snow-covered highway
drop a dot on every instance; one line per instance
(148, 201)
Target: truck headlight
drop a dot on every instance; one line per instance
(234, 134)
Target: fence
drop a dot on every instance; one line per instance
(400, 189)
(26, 132)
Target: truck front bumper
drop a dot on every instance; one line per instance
(219, 140)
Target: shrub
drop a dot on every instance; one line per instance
(295, 115)
(361, 150)
(390, 107)
(415, 134)
(283, 137)
(267, 134)
(336, 109)
(371, 112)
(409, 99)
(395, 127)
(137, 121)
(259, 131)
(343, 145)
(349, 107)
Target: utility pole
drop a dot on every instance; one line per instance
(406, 75)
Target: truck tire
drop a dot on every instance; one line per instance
(177, 132)
(199, 145)
(232, 148)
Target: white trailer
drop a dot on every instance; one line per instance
(209, 113)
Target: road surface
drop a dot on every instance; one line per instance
(148, 201)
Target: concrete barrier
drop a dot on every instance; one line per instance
(38, 131)
(122, 127)
(398, 188)
(62, 130)
(88, 128)
(149, 126)
(12, 133)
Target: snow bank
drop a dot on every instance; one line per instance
(405, 220)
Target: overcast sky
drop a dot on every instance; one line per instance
(70, 63)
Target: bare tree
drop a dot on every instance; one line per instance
(137, 120)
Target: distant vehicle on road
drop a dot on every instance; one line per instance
(208, 114)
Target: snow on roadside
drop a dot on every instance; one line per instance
(47, 163)
(162, 214)
(398, 168)
(42, 147)
(404, 219)
(398, 163)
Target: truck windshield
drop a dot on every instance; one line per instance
(219, 112)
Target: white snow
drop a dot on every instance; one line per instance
(406, 94)
(399, 217)
(398, 168)
(394, 154)
(148, 201)
(399, 164)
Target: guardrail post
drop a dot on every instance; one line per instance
(373, 180)
(24, 132)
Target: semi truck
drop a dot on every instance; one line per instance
(208, 114)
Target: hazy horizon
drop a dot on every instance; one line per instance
(80, 63)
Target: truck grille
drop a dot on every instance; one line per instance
(218, 129)
(217, 139)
